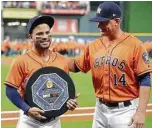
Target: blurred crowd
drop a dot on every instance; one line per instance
(19, 4)
(70, 47)
(148, 46)
(74, 5)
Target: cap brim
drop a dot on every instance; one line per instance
(43, 19)
(99, 19)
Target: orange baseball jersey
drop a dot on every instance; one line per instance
(115, 68)
(25, 65)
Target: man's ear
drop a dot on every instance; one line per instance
(30, 37)
(118, 20)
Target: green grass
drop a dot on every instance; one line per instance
(9, 127)
(77, 124)
(148, 122)
(72, 124)
(83, 84)
(6, 105)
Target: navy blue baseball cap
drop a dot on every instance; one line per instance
(106, 11)
(35, 21)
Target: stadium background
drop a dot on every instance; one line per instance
(71, 32)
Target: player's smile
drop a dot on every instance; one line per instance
(103, 26)
(44, 44)
(41, 35)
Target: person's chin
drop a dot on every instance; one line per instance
(103, 34)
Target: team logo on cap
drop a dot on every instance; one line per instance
(99, 10)
(145, 58)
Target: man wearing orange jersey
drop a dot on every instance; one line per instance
(25, 65)
(120, 70)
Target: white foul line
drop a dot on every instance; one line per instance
(7, 112)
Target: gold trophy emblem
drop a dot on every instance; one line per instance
(49, 84)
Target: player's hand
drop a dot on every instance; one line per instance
(137, 120)
(36, 113)
(72, 103)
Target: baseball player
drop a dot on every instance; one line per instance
(25, 65)
(120, 71)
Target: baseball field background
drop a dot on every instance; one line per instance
(86, 100)
(73, 23)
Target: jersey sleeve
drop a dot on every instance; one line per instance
(83, 61)
(15, 74)
(141, 61)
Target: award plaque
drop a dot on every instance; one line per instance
(49, 88)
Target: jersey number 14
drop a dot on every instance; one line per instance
(121, 80)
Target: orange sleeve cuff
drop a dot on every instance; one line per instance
(10, 84)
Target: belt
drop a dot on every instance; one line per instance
(116, 104)
(47, 120)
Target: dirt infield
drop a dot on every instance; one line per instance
(81, 113)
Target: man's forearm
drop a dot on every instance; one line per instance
(72, 66)
(144, 95)
(16, 99)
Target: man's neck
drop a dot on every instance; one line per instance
(116, 35)
(42, 53)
